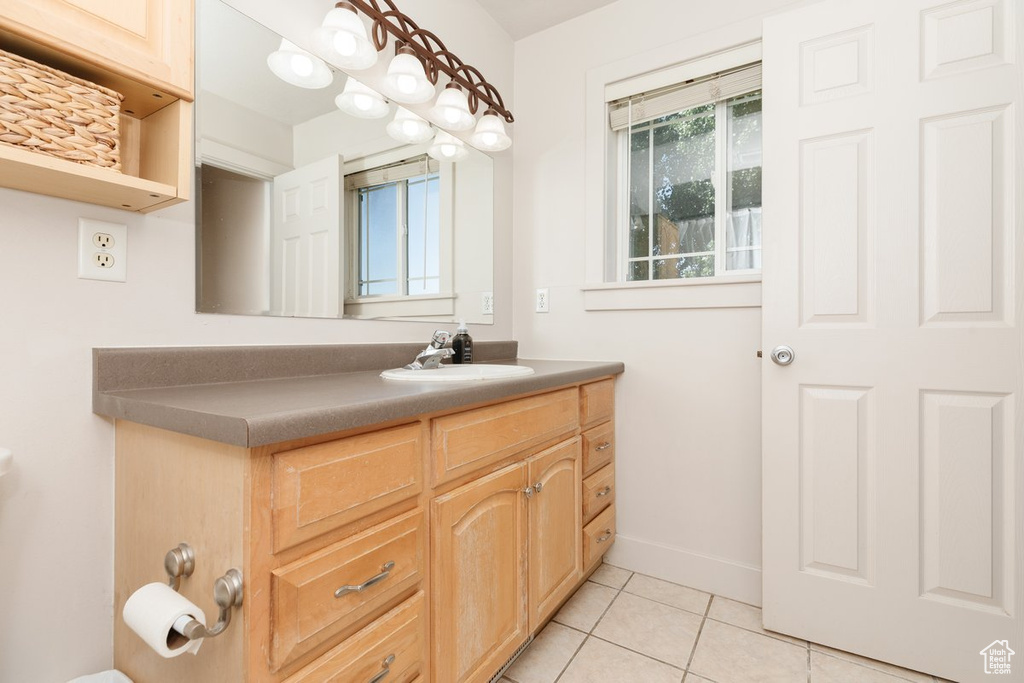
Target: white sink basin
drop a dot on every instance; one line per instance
(458, 373)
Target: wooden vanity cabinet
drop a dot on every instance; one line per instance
(506, 554)
(423, 551)
(597, 411)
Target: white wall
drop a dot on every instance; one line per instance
(688, 413)
(56, 507)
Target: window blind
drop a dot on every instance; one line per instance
(654, 105)
(403, 170)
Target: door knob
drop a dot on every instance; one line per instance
(783, 355)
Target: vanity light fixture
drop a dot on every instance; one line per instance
(452, 109)
(407, 81)
(342, 39)
(294, 65)
(362, 102)
(490, 134)
(409, 128)
(447, 147)
(422, 46)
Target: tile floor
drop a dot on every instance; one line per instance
(622, 627)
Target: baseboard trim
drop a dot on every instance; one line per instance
(727, 578)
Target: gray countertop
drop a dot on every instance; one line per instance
(256, 412)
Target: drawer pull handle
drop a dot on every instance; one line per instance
(605, 537)
(605, 446)
(385, 571)
(604, 492)
(386, 665)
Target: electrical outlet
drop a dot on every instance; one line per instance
(487, 303)
(102, 250)
(103, 260)
(543, 302)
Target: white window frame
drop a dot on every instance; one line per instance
(399, 305)
(678, 62)
(723, 145)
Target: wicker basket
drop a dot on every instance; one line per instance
(48, 111)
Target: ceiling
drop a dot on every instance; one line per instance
(523, 17)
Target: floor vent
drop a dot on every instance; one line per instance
(511, 660)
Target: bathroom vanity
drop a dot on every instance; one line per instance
(386, 531)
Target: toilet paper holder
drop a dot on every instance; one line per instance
(227, 591)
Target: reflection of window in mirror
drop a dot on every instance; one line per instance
(397, 229)
(399, 225)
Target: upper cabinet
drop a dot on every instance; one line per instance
(142, 49)
(149, 41)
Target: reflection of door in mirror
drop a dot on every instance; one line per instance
(391, 234)
(306, 247)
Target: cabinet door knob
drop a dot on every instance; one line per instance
(385, 571)
(604, 492)
(605, 446)
(605, 537)
(386, 665)
(528, 491)
(538, 486)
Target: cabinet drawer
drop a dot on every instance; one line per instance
(598, 492)
(597, 402)
(305, 611)
(465, 442)
(328, 485)
(598, 536)
(395, 643)
(598, 448)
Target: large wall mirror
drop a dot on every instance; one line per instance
(304, 210)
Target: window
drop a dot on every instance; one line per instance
(397, 229)
(689, 189)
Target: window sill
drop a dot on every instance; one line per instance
(401, 306)
(730, 291)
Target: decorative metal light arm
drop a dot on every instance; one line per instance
(429, 49)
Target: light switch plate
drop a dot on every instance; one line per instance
(102, 250)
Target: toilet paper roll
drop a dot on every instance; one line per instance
(152, 612)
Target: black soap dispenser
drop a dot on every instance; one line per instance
(462, 345)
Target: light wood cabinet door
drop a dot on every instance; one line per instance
(149, 41)
(554, 537)
(479, 578)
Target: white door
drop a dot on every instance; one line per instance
(894, 268)
(306, 254)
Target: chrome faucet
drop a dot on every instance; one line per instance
(430, 358)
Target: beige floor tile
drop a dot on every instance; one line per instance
(586, 606)
(611, 576)
(884, 667)
(668, 593)
(694, 678)
(547, 655)
(651, 628)
(745, 616)
(733, 655)
(601, 662)
(828, 669)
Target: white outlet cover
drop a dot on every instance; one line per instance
(543, 301)
(87, 268)
(487, 303)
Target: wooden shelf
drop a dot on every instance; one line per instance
(25, 170)
(155, 135)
